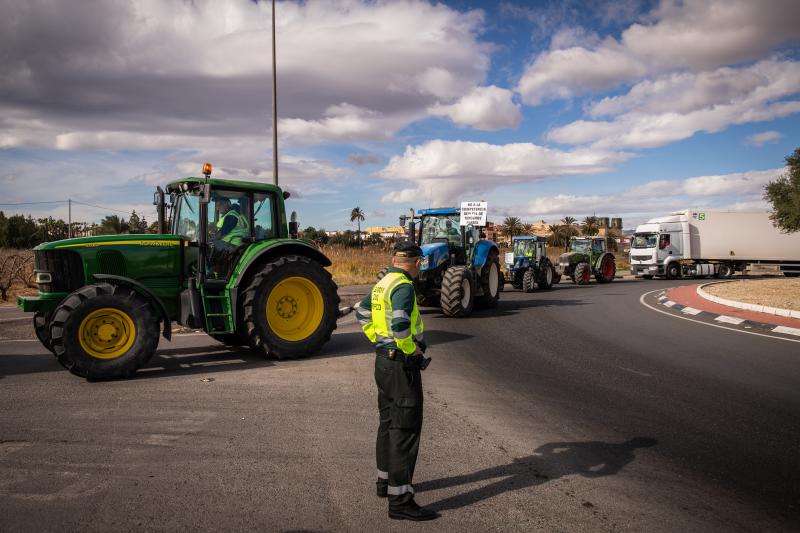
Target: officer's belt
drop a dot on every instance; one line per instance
(393, 354)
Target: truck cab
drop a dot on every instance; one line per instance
(657, 247)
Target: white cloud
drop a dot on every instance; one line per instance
(740, 190)
(484, 108)
(444, 171)
(694, 34)
(765, 137)
(676, 106)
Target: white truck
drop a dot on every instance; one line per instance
(711, 242)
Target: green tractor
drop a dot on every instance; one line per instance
(587, 257)
(102, 300)
(527, 265)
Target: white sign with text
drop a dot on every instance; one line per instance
(473, 213)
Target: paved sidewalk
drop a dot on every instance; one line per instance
(687, 296)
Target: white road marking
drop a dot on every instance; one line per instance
(669, 303)
(729, 319)
(787, 330)
(691, 311)
(635, 372)
(641, 301)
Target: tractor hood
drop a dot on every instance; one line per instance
(571, 257)
(112, 241)
(434, 255)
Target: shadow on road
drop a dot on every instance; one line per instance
(558, 459)
(508, 307)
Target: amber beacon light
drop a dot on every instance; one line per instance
(207, 169)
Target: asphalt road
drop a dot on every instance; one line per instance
(576, 409)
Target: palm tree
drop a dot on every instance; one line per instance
(569, 229)
(513, 226)
(357, 215)
(590, 226)
(113, 225)
(558, 235)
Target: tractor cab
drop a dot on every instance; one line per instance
(441, 238)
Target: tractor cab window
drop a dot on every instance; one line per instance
(229, 216)
(598, 246)
(187, 216)
(442, 228)
(524, 248)
(579, 245)
(263, 225)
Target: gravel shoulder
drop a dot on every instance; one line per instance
(783, 293)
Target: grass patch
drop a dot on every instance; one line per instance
(354, 266)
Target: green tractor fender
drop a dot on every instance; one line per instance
(146, 293)
(263, 252)
(599, 260)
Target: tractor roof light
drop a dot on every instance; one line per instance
(207, 168)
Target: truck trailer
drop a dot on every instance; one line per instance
(712, 242)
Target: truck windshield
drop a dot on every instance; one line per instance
(580, 245)
(187, 216)
(644, 240)
(524, 248)
(440, 228)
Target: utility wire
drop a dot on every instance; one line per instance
(100, 207)
(64, 202)
(36, 203)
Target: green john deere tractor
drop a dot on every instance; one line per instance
(587, 257)
(104, 299)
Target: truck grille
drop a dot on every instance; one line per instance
(641, 257)
(65, 266)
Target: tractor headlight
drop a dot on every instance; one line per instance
(44, 277)
(425, 262)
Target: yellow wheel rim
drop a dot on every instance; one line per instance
(107, 333)
(295, 309)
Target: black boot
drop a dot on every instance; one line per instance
(382, 488)
(411, 511)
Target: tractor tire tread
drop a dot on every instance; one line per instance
(450, 298)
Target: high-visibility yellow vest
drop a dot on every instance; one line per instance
(379, 330)
(240, 231)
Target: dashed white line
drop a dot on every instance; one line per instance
(729, 319)
(691, 311)
(632, 371)
(669, 303)
(787, 330)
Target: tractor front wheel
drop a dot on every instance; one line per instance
(41, 325)
(491, 278)
(583, 273)
(104, 331)
(527, 281)
(457, 298)
(546, 274)
(289, 308)
(607, 271)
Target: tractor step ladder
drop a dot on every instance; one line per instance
(218, 309)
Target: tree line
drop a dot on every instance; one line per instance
(22, 232)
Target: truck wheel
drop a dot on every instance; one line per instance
(673, 271)
(583, 273)
(608, 269)
(41, 325)
(382, 273)
(725, 271)
(104, 331)
(457, 297)
(545, 280)
(289, 307)
(490, 282)
(527, 281)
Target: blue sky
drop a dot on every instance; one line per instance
(544, 109)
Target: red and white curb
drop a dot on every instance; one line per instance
(777, 311)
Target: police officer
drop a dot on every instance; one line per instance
(390, 318)
(232, 225)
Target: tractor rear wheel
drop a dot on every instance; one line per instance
(546, 275)
(607, 271)
(490, 282)
(289, 307)
(527, 281)
(457, 298)
(41, 325)
(583, 273)
(104, 331)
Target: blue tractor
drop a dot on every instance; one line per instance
(527, 265)
(459, 270)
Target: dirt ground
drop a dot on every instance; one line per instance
(783, 293)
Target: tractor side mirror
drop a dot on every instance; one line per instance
(286, 195)
(294, 226)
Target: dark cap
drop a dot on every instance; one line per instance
(407, 249)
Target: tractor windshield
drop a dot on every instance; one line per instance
(187, 216)
(524, 248)
(644, 240)
(441, 228)
(580, 245)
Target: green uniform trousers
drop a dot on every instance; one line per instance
(400, 408)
